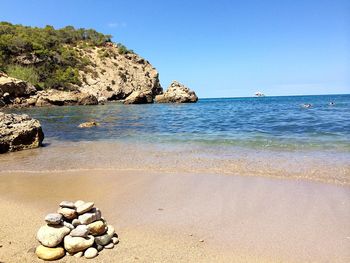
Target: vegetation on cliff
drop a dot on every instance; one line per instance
(47, 57)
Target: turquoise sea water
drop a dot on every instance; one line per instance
(277, 123)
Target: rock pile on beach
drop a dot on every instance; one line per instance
(77, 229)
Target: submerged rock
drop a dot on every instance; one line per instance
(19, 132)
(88, 124)
(177, 93)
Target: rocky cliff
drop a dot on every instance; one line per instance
(109, 76)
(69, 66)
(115, 76)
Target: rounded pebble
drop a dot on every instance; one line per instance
(91, 252)
(53, 218)
(67, 204)
(68, 213)
(115, 240)
(78, 254)
(109, 246)
(78, 203)
(80, 231)
(85, 207)
(49, 253)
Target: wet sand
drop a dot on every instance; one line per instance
(160, 217)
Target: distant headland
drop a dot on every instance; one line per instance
(69, 66)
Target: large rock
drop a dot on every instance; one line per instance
(115, 76)
(52, 235)
(48, 253)
(177, 93)
(63, 98)
(19, 132)
(87, 99)
(139, 97)
(76, 244)
(15, 87)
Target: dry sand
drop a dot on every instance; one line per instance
(162, 217)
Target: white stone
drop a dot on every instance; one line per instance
(76, 244)
(52, 235)
(91, 252)
(85, 207)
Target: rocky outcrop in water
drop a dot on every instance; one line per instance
(177, 93)
(19, 132)
(77, 229)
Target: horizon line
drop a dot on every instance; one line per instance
(241, 97)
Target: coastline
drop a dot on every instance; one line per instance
(318, 166)
(162, 216)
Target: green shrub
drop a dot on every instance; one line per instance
(60, 62)
(24, 73)
(64, 78)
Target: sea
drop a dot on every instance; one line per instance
(203, 134)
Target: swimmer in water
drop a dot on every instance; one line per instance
(331, 103)
(307, 105)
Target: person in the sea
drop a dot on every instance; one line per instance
(307, 105)
(331, 103)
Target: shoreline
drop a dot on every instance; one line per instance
(325, 167)
(162, 216)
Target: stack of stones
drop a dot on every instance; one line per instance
(77, 229)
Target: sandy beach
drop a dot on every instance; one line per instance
(163, 217)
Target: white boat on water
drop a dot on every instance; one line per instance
(259, 94)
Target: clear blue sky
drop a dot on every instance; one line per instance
(221, 48)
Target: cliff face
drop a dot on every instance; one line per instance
(115, 76)
(109, 76)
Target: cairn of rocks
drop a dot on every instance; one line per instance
(77, 229)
